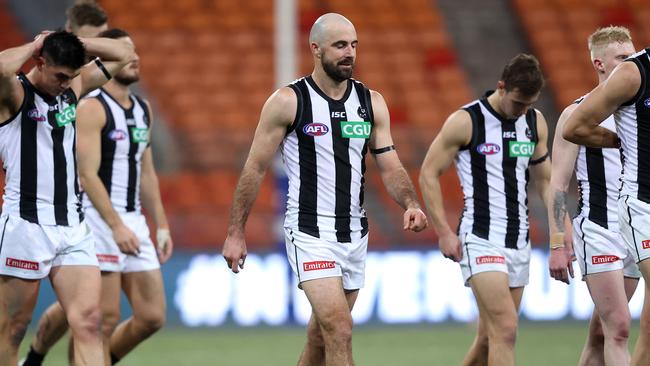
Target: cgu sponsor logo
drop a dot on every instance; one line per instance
(604, 259)
(488, 259)
(521, 149)
(18, 263)
(315, 129)
(117, 135)
(66, 116)
(355, 129)
(140, 134)
(488, 148)
(318, 265)
(645, 244)
(36, 115)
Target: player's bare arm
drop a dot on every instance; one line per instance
(152, 202)
(91, 118)
(114, 54)
(277, 115)
(455, 133)
(565, 154)
(395, 178)
(582, 127)
(11, 60)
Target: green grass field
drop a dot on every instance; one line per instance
(538, 344)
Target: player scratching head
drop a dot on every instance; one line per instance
(333, 43)
(58, 62)
(519, 86)
(130, 73)
(609, 47)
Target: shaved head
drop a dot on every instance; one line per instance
(325, 25)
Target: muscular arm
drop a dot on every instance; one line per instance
(541, 172)
(562, 166)
(455, 133)
(393, 174)
(114, 55)
(149, 187)
(582, 127)
(277, 114)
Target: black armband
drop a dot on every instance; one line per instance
(382, 150)
(540, 160)
(101, 66)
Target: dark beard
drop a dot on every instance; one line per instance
(336, 74)
(126, 81)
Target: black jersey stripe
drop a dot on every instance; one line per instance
(28, 160)
(597, 186)
(108, 147)
(60, 173)
(133, 163)
(366, 106)
(510, 185)
(343, 172)
(480, 194)
(308, 194)
(643, 131)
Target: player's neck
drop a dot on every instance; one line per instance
(119, 92)
(34, 76)
(330, 87)
(495, 102)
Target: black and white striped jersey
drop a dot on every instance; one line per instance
(598, 172)
(633, 128)
(124, 139)
(38, 150)
(324, 155)
(493, 172)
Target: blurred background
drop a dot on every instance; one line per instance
(209, 65)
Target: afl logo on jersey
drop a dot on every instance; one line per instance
(36, 115)
(315, 129)
(488, 148)
(117, 135)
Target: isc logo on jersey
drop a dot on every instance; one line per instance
(315, 129)
(521, 149)
(140, 134)
(66, 116)
(488, 148)
(355, 130)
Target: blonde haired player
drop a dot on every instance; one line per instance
(606, 264)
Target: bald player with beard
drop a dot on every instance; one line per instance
(324, 124)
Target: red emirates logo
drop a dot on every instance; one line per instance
(107, 258)
(602, 259)
(17, 263)
(317, 265)
(487, 259)
(646, 244)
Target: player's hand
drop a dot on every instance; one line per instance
(415, 220)
(450, 247)
(38, 42)
(126, 240)
(165, 245)
(234, 251)
(560, 264)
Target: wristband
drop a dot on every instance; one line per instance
(557, 241)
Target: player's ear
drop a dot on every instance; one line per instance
(598, 65)
(501, 86)
(315, 49)
(40, 62)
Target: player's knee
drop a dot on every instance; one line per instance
(505, 330)
(109, 322)
(17, 327)
(337, 324)
(315, 337)
(86, 322)
(619, 325)
(152, 321)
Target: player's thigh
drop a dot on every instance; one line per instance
(607, 289)
(493, 296)
(17, 298)
(145, 292)
(351, 297)
(78, 288)
(327, 298)
(110, 296)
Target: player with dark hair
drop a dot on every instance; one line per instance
(43, 228)
(495, 141)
